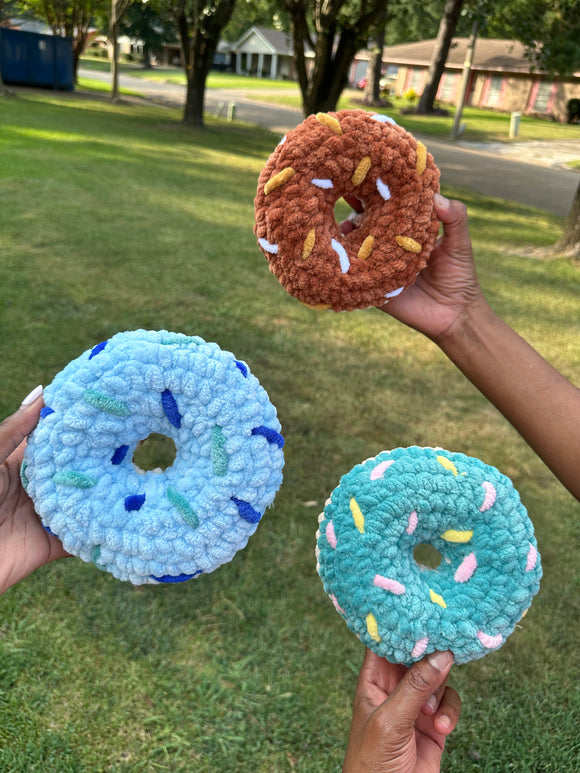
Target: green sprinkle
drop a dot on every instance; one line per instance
(74, 479)
(219, 458)
(182, 506)
(23, 476)
(176, 338)
(105, 403)
(95, 556)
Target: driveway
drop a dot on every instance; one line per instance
(524, 175)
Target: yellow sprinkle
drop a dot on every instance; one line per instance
(408, 244)
(421, 157)
(366, 248)
(308, 244)
(317, 306)
(361, 171)
(445, 462)
(279, 179)
(329, 121)
(437, 599)
(451, 535)
(372, 627)
(359, 519)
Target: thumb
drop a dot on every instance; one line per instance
(453, 215)
(15, 428)
(419, 683)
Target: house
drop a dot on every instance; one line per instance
(501, 76)
(265, 53)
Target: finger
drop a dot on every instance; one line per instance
(432, 703)
(448, 713)
(353, 202)
(15, 428)
(420, 682)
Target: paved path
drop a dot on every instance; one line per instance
(492, 170)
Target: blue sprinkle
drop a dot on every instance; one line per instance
(246, 511)
(46, 411)
(119, 455)
(48, 530)
(134, 502)
(98, 348)
(243, 368)
(170, 408)
(270, 434)
(176, 578)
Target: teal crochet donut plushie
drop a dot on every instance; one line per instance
(154, 526)
(469, 512)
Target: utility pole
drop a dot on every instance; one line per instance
(464, 81)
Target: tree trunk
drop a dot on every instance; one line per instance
(114, 40)
(372, 95)
(569, 242)
(442, 44)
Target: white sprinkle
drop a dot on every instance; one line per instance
(265, 245)
(384, 118)
(383, 189)
(341, 252)
(322, 183)
(394, 293)
(282, 141)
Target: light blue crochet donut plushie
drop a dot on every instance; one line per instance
(153, 526)
(469, 512)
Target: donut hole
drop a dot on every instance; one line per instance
(155, 453)
(344, 210)
(427, 556)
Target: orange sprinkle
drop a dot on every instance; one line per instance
(361, 171)
(308, 243)
(421, 157)
(329, 121)
(366, 248)
(279, 179)
(408, 244)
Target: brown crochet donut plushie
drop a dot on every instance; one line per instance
(357, 154)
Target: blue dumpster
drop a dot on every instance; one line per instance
(30, 59)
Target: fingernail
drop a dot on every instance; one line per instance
(431, 705)
(440, 200)
(444, 720)
(440, 660)
(30, 398)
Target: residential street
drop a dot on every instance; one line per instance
(519, 172)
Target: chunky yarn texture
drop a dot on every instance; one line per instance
(154, 526)
(359, 154)
(469, 512)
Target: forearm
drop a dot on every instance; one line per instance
(542, 405)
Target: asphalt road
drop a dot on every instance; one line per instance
(532, 184)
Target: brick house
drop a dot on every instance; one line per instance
(501, 77)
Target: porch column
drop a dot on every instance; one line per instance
(274, 66)
(260, 64)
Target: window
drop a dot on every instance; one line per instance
(542, 97)
(494, 91)
(416, 80)
(448, 90)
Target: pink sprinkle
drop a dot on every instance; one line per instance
(337, 605)
(387, 584)
(413, 521)
(490, 642)
(330, 535)
(466, 568)
(420, 647)
(532, 558)
(378, 471)
(490, 495)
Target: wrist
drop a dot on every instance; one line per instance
(469, 327)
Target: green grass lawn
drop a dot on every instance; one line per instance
(116, 218)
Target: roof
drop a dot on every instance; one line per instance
(272, 41)
(489, 54)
